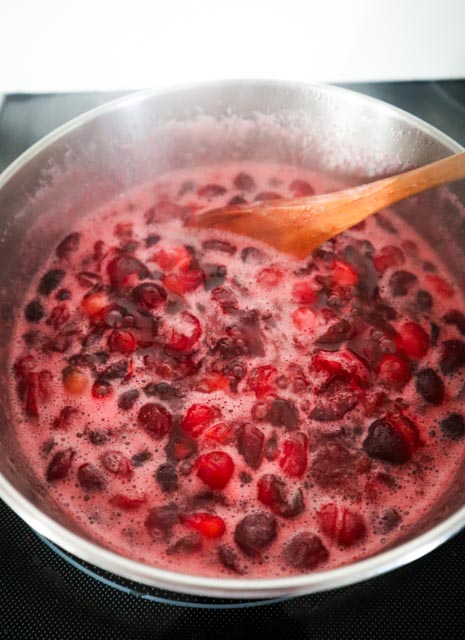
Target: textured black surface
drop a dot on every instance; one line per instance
(43, 596)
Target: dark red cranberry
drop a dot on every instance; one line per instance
(388, 257)
(186, 545)
(89, 279)
(394, 370)
(390, 519)
(244, 182)
(58, 315)
(215, 275)
(272, 492)
(226, 299)
(211, 191)
(69, 245)
(152, 240)
(34, 311)
(391, 440)
(453, 427)
(452, 356)
(456, 318)
(167, 477)
(401, 282)
(98, 437)
(333, 466)
(122, 501)
(101, 389)
(90, 478)
(60, 464)
(50, 281)
(235, 200)
(252, 255)
(383, 222)
(63, 294)
(115, 462)
(430, 386)
(424, 301)
(139, 459)
(305, 551)
(337, 333)
(155, 419)
(283, 413)
(163, 390)
(334, 407)
(293, 458)
(163, 211)
(197, 418)
(267, 195)
(250, 444)
(31, 406)
(344, 526)
(219, 245)
(229, 559)
(301, 187)
(255, 532)
(215, 469)
(162, 519)
(271, 448)
(180, 446)
(124, 267)
(65, 419)
(122, 341)
(127, 399)
(149, 295)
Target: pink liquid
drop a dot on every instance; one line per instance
(311, 408)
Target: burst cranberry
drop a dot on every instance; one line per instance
(344, 274)
(304, 292)
(215, 469)
(180, 446)
(75, 381)
(401, 282)
(206, 524)
(228, 558)
(162, 519)
(272, 492)
(60, 464)
(69, 245)
(283, 413)
(122, 501)
(101, 389)
(262, 380)
(226, 299)
(50, 281)
(58, 316)
(115, 462)
(90, 478)
(439, 285)
(305, 551)
(173, 259)
(452, 356)
(122, 341)
(94, 303)
(334, 468)
(180, 341)
(149, 295)
(197, 417)
(389, 256)
(301, 188)
(269, 277)
(430, 386)
(127, 399)
(214, 382)
(124, 270)
(65, 419)
(167, 477)
(155, 419)
(219, 433)
(394, 370)
(255, 532)
(414, 338)
(250, 442)
(344, 526)
(184, 282)
(391, 439)
(304, 320)
(293, 458)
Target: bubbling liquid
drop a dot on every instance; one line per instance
(205, 404)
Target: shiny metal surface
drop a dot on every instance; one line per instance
(103, 153)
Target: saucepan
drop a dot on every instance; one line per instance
(123, 144)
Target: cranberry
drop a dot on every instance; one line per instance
(118, 369)
(283, 413)
(344, 274)
(250, 444)
(178, 341)
(391, 439)
(339, 400)
(272, 493)
(430, 386)
(255, 532)
(34, 311)
(269, 277)
(389, 256)
(122, 341)
(89, 279)
(219, 433)
(94, 303)
(90, 478)
(167, 477)
(452, 356)
(162, 519)
(439, 285)
(244, 182)
(262, 380)
(228, 558)
(124, 269)
(115, 462)
(414, 340)
(122, 501)
(337, 333)
(63, 294)
(152, 240)
(252, 255)
(58, 316)
(65, 419)
(60, 464)
(390, 519)
(343, 525)
(226, 299)
(197, 417)
(235, 200)
(215, 469)
(301, 187)
(394, 370)
(186, 545)
(155, 419)
(385, 223)
(304, 320)
(304, 292)
(50, 281)
(173, 259)
(453, 427)
(401, 282)
(214, 382)
(456, 318)
(139, 459)
(293, 458)
(305, 551)
(219, 245)
(211, 191)
(184, 282)
(424, 301)
(163, 211)
(267, 195)
(206, 524)
(127, 399)
(180, 446)
(101, 389)
(149, 295)
(69, 245)
(214, 275)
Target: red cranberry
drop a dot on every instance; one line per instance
(122, 341)
(184, 282)
(173, 259)
(414, 340)
(430, 386)
(149, 295)
(115, 462)
(206, 524)
(122, 501)
(163, 211)
(60, 464)
(250, 442)
(226, 299)
(304, 320)
(272, 492)
(90, 478)
(124, 269)
(304, 292)
(215, 469)
(197, 418)
(50, 281)
(162, 519)
(219, 433)
(389, 256)
(101, 389)
(262, 380)
(167, 477)
(178, 341)
(344, 526)
(155, 419)
(344, 274)
(293, 458)
(391, 439)
(301, 188)
(394, 370)
(69, 245)
(255, 532)
(452, 356)
(439, 285)
(305, 551)
(269, 277)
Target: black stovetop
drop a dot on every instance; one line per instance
(45, 594)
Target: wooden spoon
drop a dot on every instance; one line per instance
(297, 226)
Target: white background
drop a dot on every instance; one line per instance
(64, 45)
